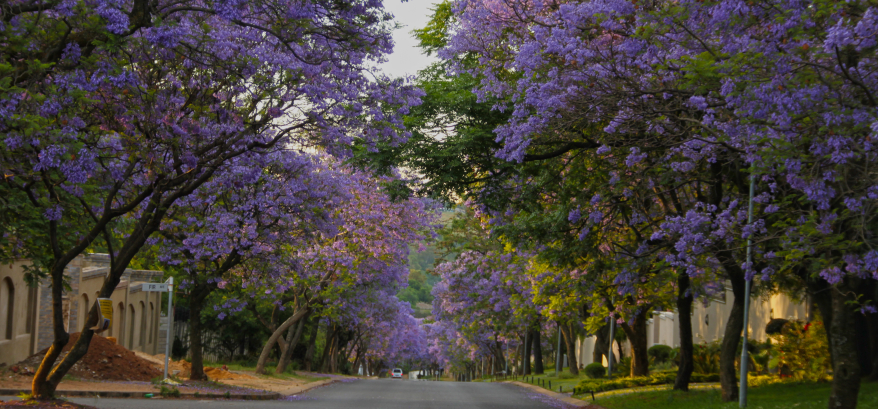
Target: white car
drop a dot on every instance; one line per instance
(396, 373)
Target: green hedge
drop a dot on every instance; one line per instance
(595, 370)
(660, 353)
(602, 385)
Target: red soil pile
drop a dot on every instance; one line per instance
(104, 360)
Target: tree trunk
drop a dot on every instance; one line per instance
(602, 345)
(684, 315)
(266, 349)
(47, 378)
(734, 326)
(333, 363)
(42, 388)
(327, 347)
(820, 290)
(872, 323)
(291, 345)
(870, 296)
(525, 363)
(312, 344)
(570, 343)
(637, 337)
(196, 306)
(845, 367)
(537, 350)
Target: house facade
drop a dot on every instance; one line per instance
(26, 313)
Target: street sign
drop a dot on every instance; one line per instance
(163, 287)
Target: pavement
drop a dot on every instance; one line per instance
(365, 394)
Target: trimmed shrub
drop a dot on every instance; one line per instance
(595, 370)
(662, 378)
(660, 353)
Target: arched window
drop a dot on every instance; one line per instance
(119, 323)
(7, 310)
(142, 337)
(151, 322)
(31, 310)
(131, 326)
(83, 310)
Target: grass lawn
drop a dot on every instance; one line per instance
(776, 396)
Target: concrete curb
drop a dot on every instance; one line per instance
(117, 394)
(295, 390)
(563, 398)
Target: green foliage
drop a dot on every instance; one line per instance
(595, 370)
(660, 353)
(801, 351)
(623, 367)
(171, 392)
(434, 36)
(705, 357)
(418, 289)
(566, 375)
(661, 378)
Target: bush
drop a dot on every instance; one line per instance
(171, 392)
(705, 357)
(566, 375)
(623, 367)
(660, 353)
(801, 351)
(595, 370)
(661, 378)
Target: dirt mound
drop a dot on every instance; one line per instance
(216, 374)
(104, 360)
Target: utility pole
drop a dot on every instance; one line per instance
(170, 325)
(558, 353)
(610, 356)
(742, 392)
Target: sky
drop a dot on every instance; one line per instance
(407, 58)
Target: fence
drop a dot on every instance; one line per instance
(212, 346)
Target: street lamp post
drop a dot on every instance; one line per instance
(742, 392)
(558, 354)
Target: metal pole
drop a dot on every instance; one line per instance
(506, 361)
(558, 353)
(742, 392)
(170, 324)
(610, 354)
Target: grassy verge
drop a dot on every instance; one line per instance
(775, 396)
(288, 375)
(566, 381)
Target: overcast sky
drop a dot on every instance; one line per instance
(407, 57)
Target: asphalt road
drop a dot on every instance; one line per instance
(365, 394)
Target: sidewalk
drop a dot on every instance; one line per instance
(110, 389)
(268, 390)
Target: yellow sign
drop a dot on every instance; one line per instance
(105, 315)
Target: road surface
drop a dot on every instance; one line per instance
(361, 394)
